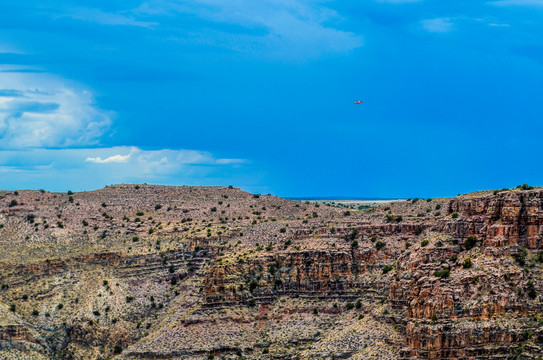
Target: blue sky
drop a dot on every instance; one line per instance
(259, 94)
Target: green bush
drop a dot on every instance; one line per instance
(253, 285)
(470, 242)
(442, 273)
(424, 243)
(117, 349)
(389, 218)
(387, 269)
(349, 306)
(353, 235)
(530, 290)
(454, 215)
(467, 263)
(520, 257)
(379, 245)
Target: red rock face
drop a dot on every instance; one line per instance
(261, 266)
(508, 218)
(474, 312)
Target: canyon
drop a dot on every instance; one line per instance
(160, 272)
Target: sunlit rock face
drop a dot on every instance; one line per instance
(140, 271)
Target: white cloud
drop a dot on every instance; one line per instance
(438, 25)
(96, 167)
(110, 159)
(292, 27)
(44, 110)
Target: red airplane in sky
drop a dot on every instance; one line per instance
(358, 101)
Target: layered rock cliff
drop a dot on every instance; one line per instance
(139, 271)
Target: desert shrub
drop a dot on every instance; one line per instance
(117, 349)
(60, 306)
(418, 230)
(251, 303)
(35, 312)
(530, 290)
(389, 218)
(13, 203)
(442, 273)
(158, 207)
(354, 244)
(424, 243)
(470, 242)
(349, 306)
(438, 206)
(379, 245)
(520, 257)
(353, 235)
(70, 192)
(467, 263)
(358, 304)
(525, 187)
(283, 230)
(253, 285)
(387, 269)
(454, 215)
(129, 299)
(256, 196)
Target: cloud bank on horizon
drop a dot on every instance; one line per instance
(258, 94)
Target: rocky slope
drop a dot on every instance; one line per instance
(155, 272)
